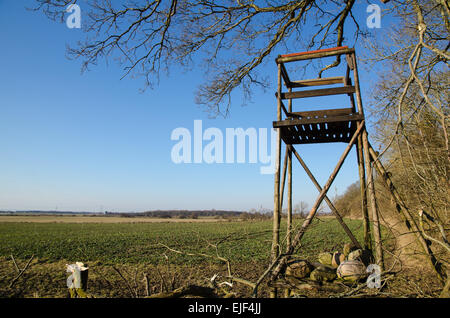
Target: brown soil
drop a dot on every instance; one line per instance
(407, 248)
(48, 280)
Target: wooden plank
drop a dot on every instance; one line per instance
(319, 92)
(289, 134)
(309, 138)
(289, 200)
(350, 61)
(330, 49)
(307, 121)
(309, 133)
(284, 109)
(331, 127)
(373, 204)
(356, 79)
(295, 133)
(318, 81)
(342, 128)
(275, 250)
(313, 54)
(363, 195)
(352, 126)
(297, 137)
(319, 141)
(324, 113)
(288, 140)
(347, 79)
(283, 179)
(290, 101)
(322, 127)
(336, 132)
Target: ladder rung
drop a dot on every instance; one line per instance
(313, 54)
(330, 49)
(318, 81)
(323, 113)
(319, 92)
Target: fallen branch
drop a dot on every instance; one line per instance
(21, 272)
(191, 290)
(133, 293)
(297, 284)
(146, 284)
(444, 241)
(242, 281)
(261, 278)
(446, 291)
(254, 286)
(354, 292)
(15, 264)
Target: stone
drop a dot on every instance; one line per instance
(360, 255)
(323, 274)
(337, 259)
(351, 271)
(325, 258)
(348, 248)
(299, 268)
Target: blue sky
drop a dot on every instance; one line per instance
(93, 142)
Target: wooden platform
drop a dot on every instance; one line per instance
(322, 126)
(334, 125)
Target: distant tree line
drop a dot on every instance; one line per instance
(192, 214)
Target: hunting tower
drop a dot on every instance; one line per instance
(345, 125)
(322, 126)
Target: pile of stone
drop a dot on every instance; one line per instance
(348, 266)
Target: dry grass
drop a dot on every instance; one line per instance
(46, 279)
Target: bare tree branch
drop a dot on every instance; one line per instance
(233, 38)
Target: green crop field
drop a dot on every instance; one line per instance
(143, 242)
(139, 248)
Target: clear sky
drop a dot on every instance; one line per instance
(93, 142)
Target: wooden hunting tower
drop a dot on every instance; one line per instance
(322, 126)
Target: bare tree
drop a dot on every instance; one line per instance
(301, 208)
(411, 106)
(232, 38)
(411, 103)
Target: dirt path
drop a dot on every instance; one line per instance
(406, 246)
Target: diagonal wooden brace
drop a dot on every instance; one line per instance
(283, 179)
(327, 200)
